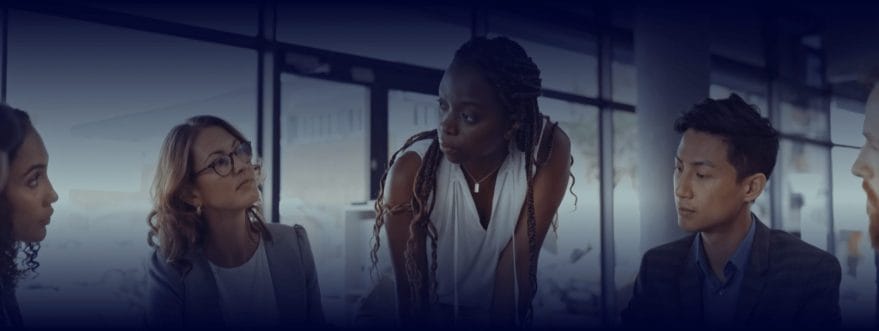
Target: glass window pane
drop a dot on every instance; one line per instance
(803, 115)
(814, 68)
(847, 122)
(857, 293)
(626, 212)
(395, 33)
(803, 173)
(231, 16)
(737, 33)
(409, 113)
(103, 109)
(624, 76)
(324, 169)
(570, 281)
(567, 61)
(755, 99)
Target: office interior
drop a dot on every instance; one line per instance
(328, 91)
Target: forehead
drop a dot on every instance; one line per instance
(696, 146)
(871, 113)
(465, 82)
(31, 152)
(212, 139)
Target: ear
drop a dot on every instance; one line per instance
(192, 197)
(754, 186)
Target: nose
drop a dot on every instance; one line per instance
(53, 196)
(861, 167)
(448, 126)
(682, 187)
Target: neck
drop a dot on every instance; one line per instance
(230, 241)
(720, 243)
(482, 167)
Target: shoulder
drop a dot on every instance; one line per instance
(670, 253)
(555, 149)
(662, 264)
(401, 178)
(278, 230)
(790, 252)
(161, 268)
(287, 233)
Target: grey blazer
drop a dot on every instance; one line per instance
(177, 300)
(787, 283)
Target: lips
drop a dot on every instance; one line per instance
(684, 211)
(243, 183)
(447, 149)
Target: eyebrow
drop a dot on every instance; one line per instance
(39, 166)
(235, 143)
(705, 163)
(463, 103)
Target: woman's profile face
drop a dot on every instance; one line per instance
(221, 182)
(28, 191)
(472, 123)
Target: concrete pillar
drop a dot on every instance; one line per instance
(673, 64)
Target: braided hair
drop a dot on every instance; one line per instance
(516, 80)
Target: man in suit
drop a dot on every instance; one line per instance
(733, 271)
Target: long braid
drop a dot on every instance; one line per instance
(421, 207)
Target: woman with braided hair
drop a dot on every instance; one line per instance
(466, 206)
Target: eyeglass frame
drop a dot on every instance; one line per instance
(231, 157)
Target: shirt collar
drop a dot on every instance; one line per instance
(739, 259)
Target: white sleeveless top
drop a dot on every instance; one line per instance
(468, 254)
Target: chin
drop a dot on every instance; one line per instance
(688, 224)
(36, 236)
(454, 159)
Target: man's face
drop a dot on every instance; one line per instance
(867, 164)
(707, 194)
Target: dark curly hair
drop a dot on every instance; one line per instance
(19, 124)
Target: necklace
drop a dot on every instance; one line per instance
(477, 182)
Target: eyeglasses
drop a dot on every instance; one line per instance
(224, 165)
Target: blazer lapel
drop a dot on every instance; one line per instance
(201, 293)
(755, 275)
(690, 288)
(288, 285)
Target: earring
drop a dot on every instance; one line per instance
(198, 210)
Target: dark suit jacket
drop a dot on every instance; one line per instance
(787, 283)
(193, 300)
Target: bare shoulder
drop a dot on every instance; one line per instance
(401, 178)
(561, 143)
(558, 156)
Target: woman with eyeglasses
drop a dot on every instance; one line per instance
(217, 262)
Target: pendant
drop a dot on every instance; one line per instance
(476, 188)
